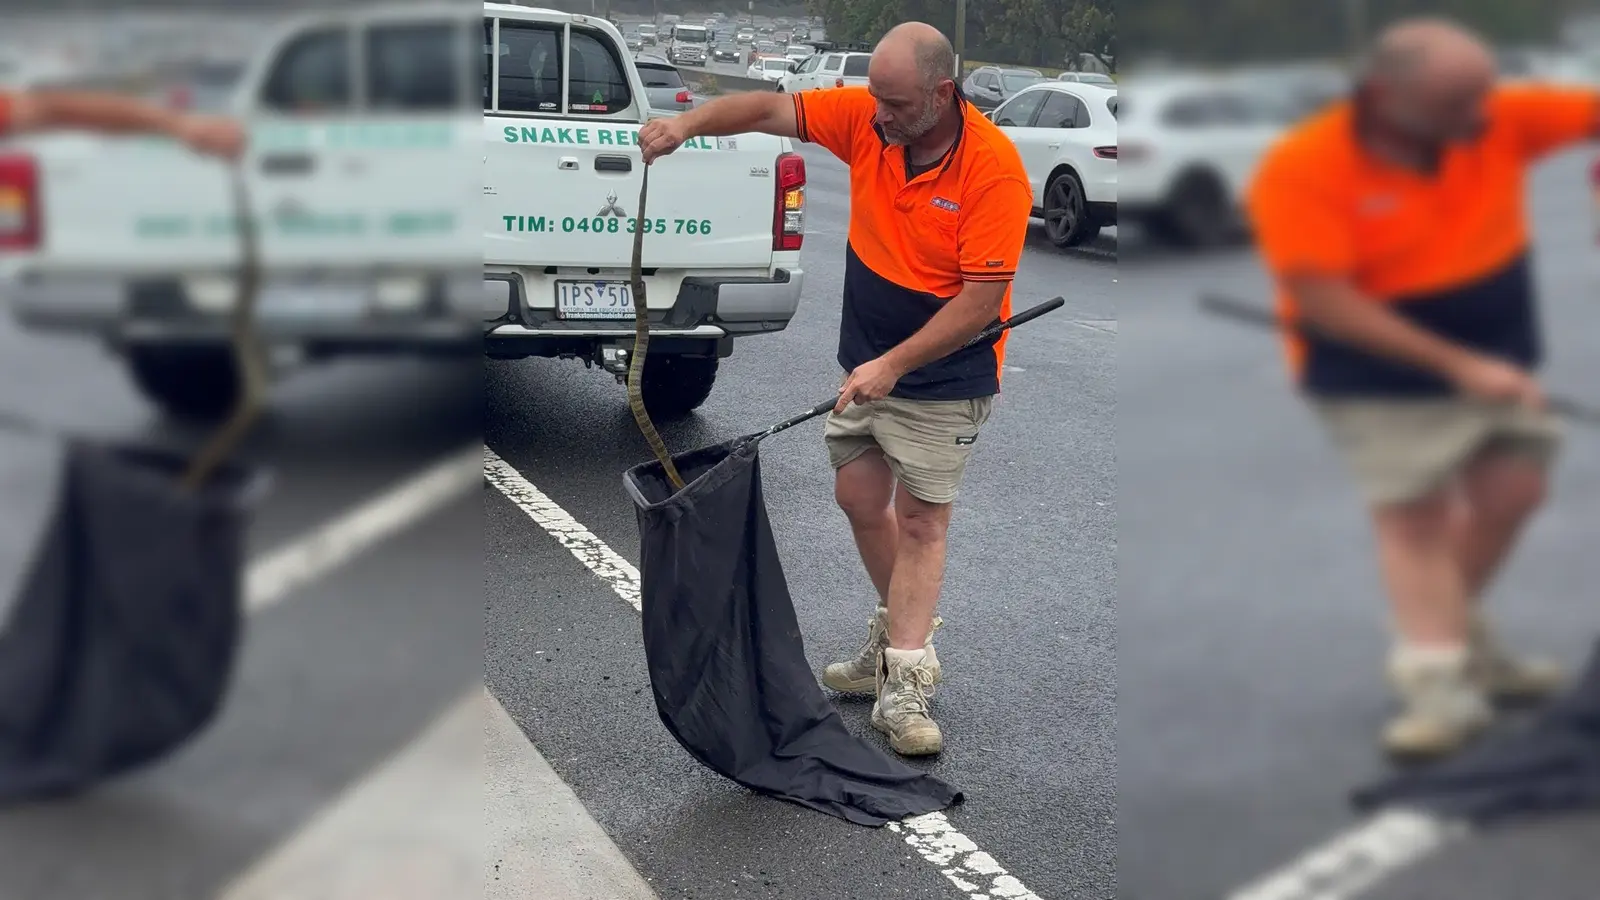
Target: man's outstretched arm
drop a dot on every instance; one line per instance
(734, 114)
(108, 113)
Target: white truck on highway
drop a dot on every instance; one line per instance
(365, 191)
(691, 45)
(724, 226)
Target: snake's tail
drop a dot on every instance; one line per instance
(248, 358)
(641, 346)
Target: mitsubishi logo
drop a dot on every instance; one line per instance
(611, 208)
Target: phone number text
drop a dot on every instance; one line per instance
(603, 225)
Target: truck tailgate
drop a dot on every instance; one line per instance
(565, 193)
(350, 195)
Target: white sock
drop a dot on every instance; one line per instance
(1431, 656)
(910, 657)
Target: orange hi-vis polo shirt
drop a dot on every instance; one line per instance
(1448, 250)
(914, 242)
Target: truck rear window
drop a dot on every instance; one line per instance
(856, 66)
(529, 69)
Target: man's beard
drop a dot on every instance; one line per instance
(909, 134)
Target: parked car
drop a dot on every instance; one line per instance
(1067, 136)
(827, 70)
(664, 87)
(1088, 78)
(727, 52)
(1189, 144)
(989, 86)
(769, 68)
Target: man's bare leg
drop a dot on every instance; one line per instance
(1430, 667)
(918, 569)
(864, 490)
(1417, 555)
(908, 669)
(1501, 492)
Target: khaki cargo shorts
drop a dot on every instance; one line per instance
(1403, 450)
(926, 442)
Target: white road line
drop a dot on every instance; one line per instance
(957, 857)
(1356, 861)
(590, 550)
(970, 869)
(308, 558)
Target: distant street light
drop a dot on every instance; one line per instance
(960, 38)
(1356, 20)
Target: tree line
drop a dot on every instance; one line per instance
(1050, 33)
(1055, 32)
(1224, 30)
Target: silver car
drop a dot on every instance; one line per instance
(664, 86)
(989, 86)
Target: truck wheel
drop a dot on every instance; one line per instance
(186, 382)
(675, 386)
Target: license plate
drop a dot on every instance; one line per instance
(312, 302)
(594, 300)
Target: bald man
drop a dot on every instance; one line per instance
(939, 206)
(1395, 227)
(27, 112)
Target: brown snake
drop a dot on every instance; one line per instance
(247, 352)
(641, 345)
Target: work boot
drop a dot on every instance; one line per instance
(901, 711)
(860, 674)
(1444, 709)
(1503, 677)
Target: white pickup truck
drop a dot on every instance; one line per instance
(365, 190)
(725, 217)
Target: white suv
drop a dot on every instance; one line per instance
(827, 70)
(1189, 144)
(1066, 134)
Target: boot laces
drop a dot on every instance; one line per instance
(909, 686)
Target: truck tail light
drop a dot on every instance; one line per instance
(1106, 152)
(683, 97)
(19, 203)
(789, 208)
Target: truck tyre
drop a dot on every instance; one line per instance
(675, 386)
(197, 383)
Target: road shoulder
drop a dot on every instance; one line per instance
(540, 837)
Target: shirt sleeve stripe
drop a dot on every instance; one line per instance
(800, 119)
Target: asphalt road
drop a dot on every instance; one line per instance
(1028, 703)
(1251, 625)
(336, 677)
